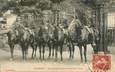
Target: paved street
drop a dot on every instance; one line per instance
(5, 58)
(5, 54)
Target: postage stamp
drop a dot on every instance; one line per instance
(101, 62)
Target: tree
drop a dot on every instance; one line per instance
(90, 3)
(36, 7)
(25, 8)
(56, 1)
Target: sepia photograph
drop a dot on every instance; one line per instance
(57, 35)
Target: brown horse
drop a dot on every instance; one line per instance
(41, 39)
(81, 36)
(87, 36)
(21, 36)
(25, 42)
(59, 38)
(14, 36)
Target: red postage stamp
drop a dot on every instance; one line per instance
(101, 62)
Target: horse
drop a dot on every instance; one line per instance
(81, 36)
(71, 36)
(12, 40)
(33, 43)
(87, 36)
(50, 39)
(25, 41)
(42, 39)
(59, 38)
(22, 34)
(14, 36)
(70, 43)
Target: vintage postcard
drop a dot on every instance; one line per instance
(57, 35)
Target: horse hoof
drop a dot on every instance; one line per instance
(32, 57)
(48, 58)
(43, 61)
(36, 58)
(11, 59)
(61, 61)
(69, 59)
(24, 60)
(52, 56)
(86, 61)
(72, 57)
(81, 61)
(55, 60)
(40, 59)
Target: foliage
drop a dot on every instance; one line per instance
(44, 4)
(27, 2)
(56, 1)
(90, 3)
(36, 7)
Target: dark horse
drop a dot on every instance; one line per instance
(25, 41)
(59, 39)
(71, 37)
(14, 36)
(88, 36)
(42, 39)
(50, 38)
(13, 39)
(33, 42)
(21, 36)
(81, 36)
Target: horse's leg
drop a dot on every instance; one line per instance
(94, 48)
(69, 50)
(85, 50)
(40, 51)
(73, 49)
(35, 49)
(61, 51)
(22, 53)
(49, 50)
(80, 49)
(53, 50)
(56, 50)
(12, 50)
(32, 53)
(26, 51)
(43, 51)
